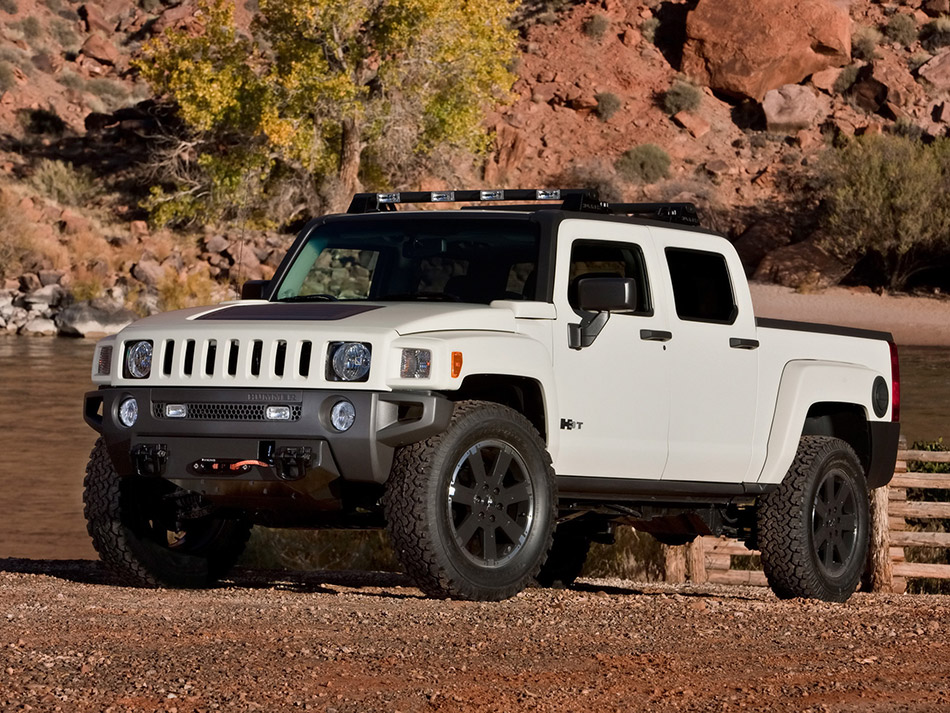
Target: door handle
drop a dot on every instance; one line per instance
(737, 343)
(655, 335)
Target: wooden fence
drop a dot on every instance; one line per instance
(714, 559)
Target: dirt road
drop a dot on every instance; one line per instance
(73, 641)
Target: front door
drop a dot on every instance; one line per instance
(613, 396)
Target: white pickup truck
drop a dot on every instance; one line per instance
(498, 386)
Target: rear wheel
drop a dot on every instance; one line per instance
(470, 511)
(813, 529)
(133, 522)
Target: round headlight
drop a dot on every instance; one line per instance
(342, 415)
(129, 412)
(138, 360)
(351, 361)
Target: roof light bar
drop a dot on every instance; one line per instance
(442, 196)
(388, 197)
(491, 195)
(552, 194)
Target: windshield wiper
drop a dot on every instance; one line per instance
(316, 297)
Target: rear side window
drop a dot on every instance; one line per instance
(702, 290)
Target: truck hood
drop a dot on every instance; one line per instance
(402, 317)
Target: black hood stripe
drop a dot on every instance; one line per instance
(289, 311)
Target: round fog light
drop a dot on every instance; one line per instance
(128, 412)
(342, 415)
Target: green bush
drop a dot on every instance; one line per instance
(648, 29)
(887, 201)
(936, 34)
(71, 80)
(647, 163)
(682, 96)
(864, 42)
(113, 94)
(64, 33)
(846, 78)
(64, 183)
(607, 105)
(30, 27)
(901, 28)
(9, 6)
(596, 26)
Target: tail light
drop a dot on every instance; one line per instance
(895, 384)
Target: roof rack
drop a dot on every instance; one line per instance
(572, 199)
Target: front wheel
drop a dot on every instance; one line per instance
(470, 511)
(133, 524)
(813, 529)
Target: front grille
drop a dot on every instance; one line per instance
(224, 412)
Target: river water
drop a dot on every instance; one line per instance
(44, 443)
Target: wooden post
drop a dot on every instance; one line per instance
(879, 574)
(674, 564)
(697, 562)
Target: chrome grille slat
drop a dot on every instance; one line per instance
(224, 358)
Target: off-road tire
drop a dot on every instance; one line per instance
(129, 540)
(429, 518)
(566, 557)
(813, 529)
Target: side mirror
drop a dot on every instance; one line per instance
(607, 294)
(254, 289)
(600, 295)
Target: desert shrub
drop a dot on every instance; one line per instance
(64, 34)
(887, 202)
(64, 183)
(901, 28)
(908, 129)
(918, 60)
(936, 34)
(41, 122)
(9, 6)
(55, 6)
(846, 79)
(7, 76)
(648, 28)
(177, 291)
(71, 80)
(682, 96)
(596, 26)
(30, 27)
(634, 555)
(595, 174)
(646, 163)
(15, 56)
(304, 550)
(864, 42)
(607, 105)
(113, 94)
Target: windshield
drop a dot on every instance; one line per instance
(454, 260)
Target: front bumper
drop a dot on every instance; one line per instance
(227, 450)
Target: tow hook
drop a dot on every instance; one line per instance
(150, 459)
(292, 462)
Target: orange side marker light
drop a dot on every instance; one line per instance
(456, 364)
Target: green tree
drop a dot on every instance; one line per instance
(320, 94)
(888, 198)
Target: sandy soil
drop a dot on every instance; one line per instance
(918, 321)
(345, 642)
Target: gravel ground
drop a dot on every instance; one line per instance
(72, 640)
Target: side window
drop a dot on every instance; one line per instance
(590, 258)
(702, 290)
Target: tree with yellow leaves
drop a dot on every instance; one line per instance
(319, 96)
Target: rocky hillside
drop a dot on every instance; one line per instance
(734, 102)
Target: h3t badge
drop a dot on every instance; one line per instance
(569, 424)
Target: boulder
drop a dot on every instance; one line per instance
(745, 49)
(39, 327)
(100, 50)
(148, 271)
(937, 71)
(695, 125)
(216, 244)
(825, 79)
(93, 19)
(51, 277)
(790, 108)
(758, 240)
(85, 319)
(802, 265)
(936, 8)
(45, 297)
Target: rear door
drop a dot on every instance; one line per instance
(613, 396)
(713, 359)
